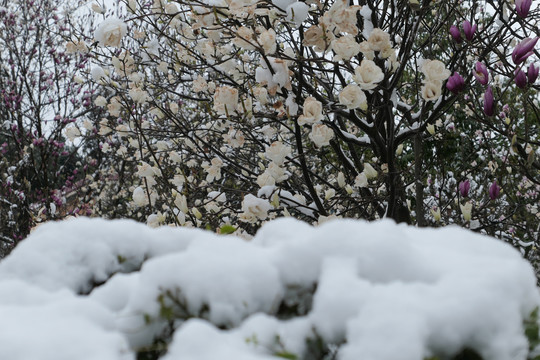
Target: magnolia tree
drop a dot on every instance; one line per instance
(40, 102)
(225, 113)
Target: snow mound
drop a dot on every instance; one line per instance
(362, 290)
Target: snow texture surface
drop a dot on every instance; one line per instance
(97, 289)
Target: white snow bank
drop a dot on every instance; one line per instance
(77, 253)
(374, 290)
(40, 325)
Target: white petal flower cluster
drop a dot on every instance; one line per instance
(139, 197)
(244, 38)
(110, 32)
(277, 152)
(267, 39)
(368, 75)
(254, 209)
(345, 48)
(72, 132)
(341, 17)
(312, 112)
(213, 169)
(321, 135)
(435, 72)
(139, 95)
(278, 77)
(318, 37)
(225, 97)
(353, 97)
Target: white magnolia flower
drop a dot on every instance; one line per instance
(171, 8)
(267, 39)
(213, 169)
(370, 172)
(173, 106)
(435, 70)
(132, 5)
(318, 38)
(104, 128)
(110, 32)
(261, 94)
(76, 46)
(277, 152)
(342, 17)
(254, 209)
(379, 40)
(181, 203)
(345, 47)
(114, 107)
(139, 95)
(266, 179)
(279, 77)
(145, 170)
(199, 84)
(96, 8)
(154, 220)
(292, 106)
(139, 196)
(341, 179)
(366, 50)
(312, 112)
(431, 90)
(368, 75)
(328, 194)
(277, 172)
(100, 101)
(321, 135)
(72, 132)
(466, 211)
(98, 73)
(176, 157)
(353, 97)
(225, 97)
(234, 138)
(244, 38)
(436, 213)
(361, 180)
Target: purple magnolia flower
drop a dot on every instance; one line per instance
(494, 190)
(464, 188)
(520, 78)
(455, 83)
(481, 73)
(456, 34)
(522, 7)
(524, 49)
(489, 104)
(532, 73)
(469, 30)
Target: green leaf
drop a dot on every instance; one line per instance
(166, 312)
(286, 355)
(227, 229)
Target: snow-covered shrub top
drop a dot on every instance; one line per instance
(97, 289)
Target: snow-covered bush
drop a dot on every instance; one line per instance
(97, 289)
